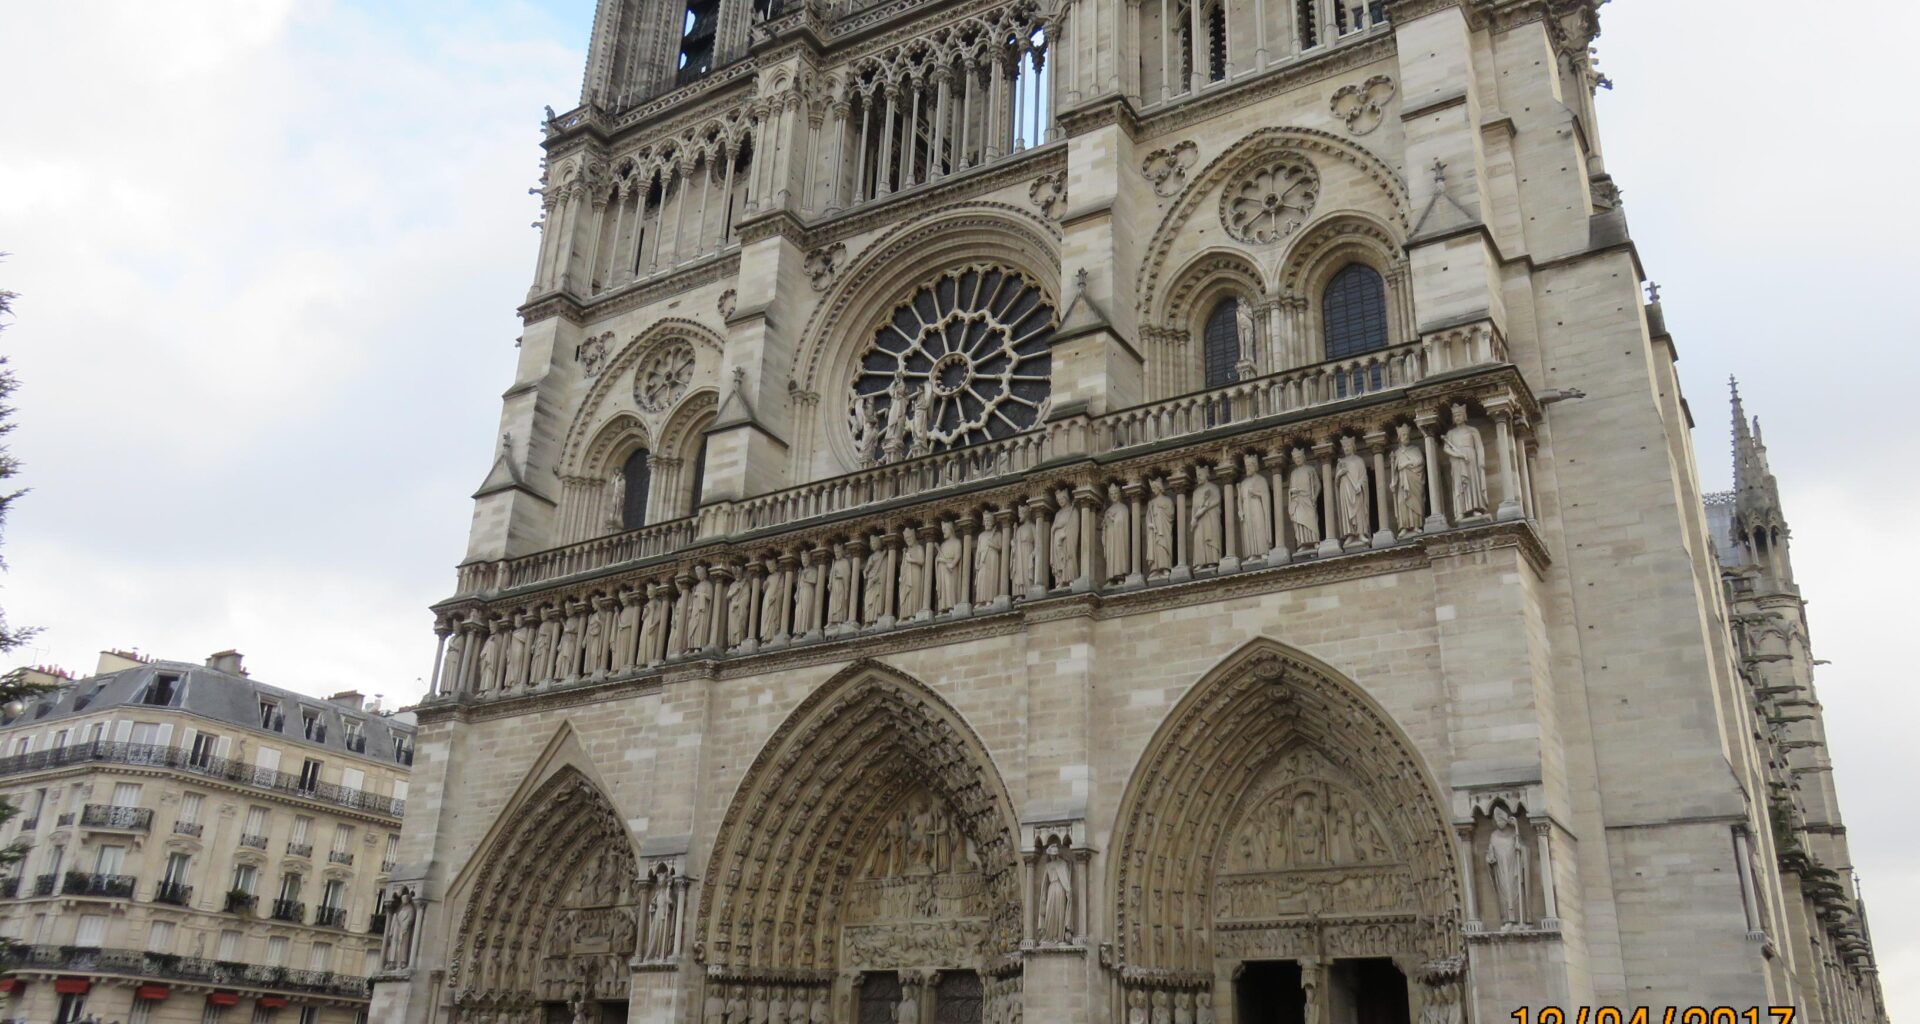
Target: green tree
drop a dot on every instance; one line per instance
(13, 687)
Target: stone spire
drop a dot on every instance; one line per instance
(1757, 518)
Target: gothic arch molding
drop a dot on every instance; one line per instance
(1262, 721)
(550, 901)
(1324, 149)
(788, 855)
(1321, 252)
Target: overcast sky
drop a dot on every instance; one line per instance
(268, 255)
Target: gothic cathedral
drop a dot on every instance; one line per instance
(1119, 511)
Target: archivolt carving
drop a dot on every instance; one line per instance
(554, 912)
(873, 809)
(1263, 147)
(1309, 259)
(1201, 277)
(586, 420)
(1278, 808)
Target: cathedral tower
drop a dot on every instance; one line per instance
(1146, 511)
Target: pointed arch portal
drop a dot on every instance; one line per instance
(552, 916)
(871, 842)
(1281, 831)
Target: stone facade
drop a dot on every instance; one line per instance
(198, 846)
(1148, 512)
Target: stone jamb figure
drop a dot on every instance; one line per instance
(987, 567)
(1159, 539)
(1117, 546)
(402, 915)
(1303, 503)
(946, 568)
(1023, 549)
(1256, 510)
(1056, 897)
(1064, 549)
(1350, 493)
(1507, 860)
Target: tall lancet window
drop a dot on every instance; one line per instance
(1354, 310)
(637, 475)
(1221, 345)
(696, 39)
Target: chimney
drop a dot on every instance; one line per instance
(348, 698)
(116, 661)
(229, 662)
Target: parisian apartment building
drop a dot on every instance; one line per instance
(195, 846)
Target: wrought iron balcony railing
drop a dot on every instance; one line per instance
(241, 902)
(290, 910)
(178, 894)
(330, 917)
(339, 857)
(166, 967)
(44, 885)
(65, 819)
(238, 772)
(300, 849)
(30, 824)
(253, 842)
(129, 819)
(377, 924)
(86, 883)
(9, 887)
(189, 828)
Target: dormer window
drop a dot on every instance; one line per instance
(402, 749)
(356, 735)
(162, 692)
(312, 726)
(271, 719)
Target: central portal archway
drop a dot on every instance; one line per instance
(1281, 845)
(867, 868)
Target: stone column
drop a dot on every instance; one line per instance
(1428, 422)
(1550, 907)
(1181, 485)
(1463, 834)
(1509, 475)
(1229, 517)
(1376, 442)
(1087, 500)
(440, 631)
(1329, 504)
(1136, 539)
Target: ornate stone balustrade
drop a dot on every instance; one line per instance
(555, 563)
(1440, 443)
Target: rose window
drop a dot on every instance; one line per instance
(1271, 202)
(963, 361)
(662, 379)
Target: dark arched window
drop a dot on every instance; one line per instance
(1354, 310)
(1222, 343)
(637, 475)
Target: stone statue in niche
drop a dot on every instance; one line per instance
(626, 628)
(1208, 534)
(873, 583)
(596, 639)
(804, 619)
(739, 609)
(699, 610)
(1307, 834)
(1203, 1008)
(517, 651)
(1507, 860)
(1056, 896)
(864, 421)
(736, 1012)
(403, 915)
(1160, 515)
(1163, 1008)
(1409, 483)
(1243, 323)
(489, 661)
(1116, 536)
(908, 1011)
(1025, 551)
(1466, 465)
(651, 617)
(913, 572)
(1303, 502)
(615, 515)
(988, 560)
(1256, 510)
(714, 1010)
(661, 911)
(450, 664)
(541, 668)
(1137, 1006)
(1065, 543)
(839, 585)
(1182, 1008)
(1350, 493)
(946, 567)
(919, 421)
(566, 654)
(770, 592)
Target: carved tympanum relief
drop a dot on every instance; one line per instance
(1363, 105)
(919, 898)
(964, 360)
(1270, 200)
(663, 377)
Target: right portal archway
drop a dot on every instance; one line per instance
(1282, 853)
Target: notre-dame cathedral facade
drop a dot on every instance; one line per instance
(1146, 512)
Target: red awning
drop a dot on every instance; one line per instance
(273, 1002)
(153, 992)
(11, 984)
(224, 998)
(71, 986)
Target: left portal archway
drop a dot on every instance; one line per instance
(553, 916)
(871, 841)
